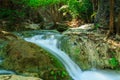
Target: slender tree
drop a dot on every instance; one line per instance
(111, 22)
(118, 25)
(95, 4)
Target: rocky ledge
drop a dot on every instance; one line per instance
(89, 48)
(17, 77)
(28, 59)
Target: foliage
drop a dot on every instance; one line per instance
(113, 61)
(94, 14)
(11, 18)
(18, 11)
(82, 8)
(74, 7)
(10, 14)
(13, 11)
(76, 50)
(18, 1)
(97, 26)
(38, 3)
(79, 9)
(56, 74)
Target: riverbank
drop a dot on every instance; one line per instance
(23, 55)
(28, 59)
(90, 48)
(17, 77)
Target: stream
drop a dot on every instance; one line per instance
(50, 42)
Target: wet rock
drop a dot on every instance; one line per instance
(28, 59)
(61, 27)
(48, 25)
(81, 29)
(17, 77)
(32, 26)
(89, 49)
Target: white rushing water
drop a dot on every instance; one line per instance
(50, 44)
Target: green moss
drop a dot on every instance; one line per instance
(113, 62)
(58, 74)
(26, 57)
(56, 62)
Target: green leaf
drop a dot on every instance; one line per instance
(113, 62)
(52, 72)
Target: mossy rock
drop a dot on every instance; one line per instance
(61, 27)
(55, 74)
(3, 43)
(89, 50)
(17, 77)
(27, 58)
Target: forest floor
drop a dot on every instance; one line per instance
(113, 39)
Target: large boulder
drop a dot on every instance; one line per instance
(32, 26)
(89, 49)
(28, 59)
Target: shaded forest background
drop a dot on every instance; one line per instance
(99, 45)
(52, 14)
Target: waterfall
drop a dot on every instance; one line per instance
(50, 43)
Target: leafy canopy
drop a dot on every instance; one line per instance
(77, 8)
(38, 3)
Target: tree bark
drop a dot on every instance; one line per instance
(108, 16)
(118, 25)
(95, 5)
(111, 23)
(102, 16)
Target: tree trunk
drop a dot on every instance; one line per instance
(118, 25)
(95, 5)
(5, 3)
(111, 23)
(108, 15)
(102, 17)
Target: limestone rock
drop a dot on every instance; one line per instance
(29, 59)
(32, 26)
(89, 49)
(17, 77)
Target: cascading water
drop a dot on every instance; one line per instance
(50, 43)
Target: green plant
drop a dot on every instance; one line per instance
(97, 26)
(78, 9)
(73, 6)
(113, 62)
(82, 9)
(38, 3)
(11, 14)
(11, 17)
(58, 73)
(76, 50)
